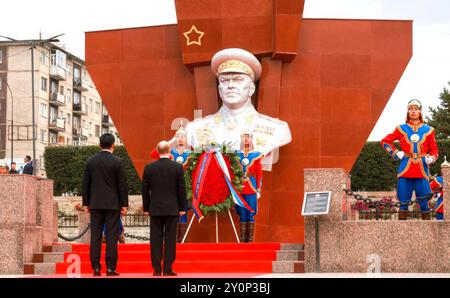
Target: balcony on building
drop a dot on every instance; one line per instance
(106, 121)
(85, 132)
(76, 131)
(61, 142)
(57, 72)
(57, 65)
(57, 99)
(80, 108)
(80, 84)
(58, 124)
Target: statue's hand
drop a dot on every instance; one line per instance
(400, 155)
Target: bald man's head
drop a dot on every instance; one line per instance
(163, 147)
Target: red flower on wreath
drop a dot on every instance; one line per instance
(215, 189)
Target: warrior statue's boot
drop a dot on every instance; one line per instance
(250, 231)
(426, 215)
(243, 234)
(402, 214)
(183, 229)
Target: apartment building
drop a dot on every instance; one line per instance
(68, 107)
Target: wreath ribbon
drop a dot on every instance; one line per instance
(200, 178)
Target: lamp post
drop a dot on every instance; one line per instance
(12, 122)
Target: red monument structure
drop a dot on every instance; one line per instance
(329, 79)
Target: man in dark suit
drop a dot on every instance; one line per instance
(164, 199)
(28, 168)
(105, 196)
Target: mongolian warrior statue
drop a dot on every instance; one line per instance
(418, 151)
(250, 161)
(180, 153)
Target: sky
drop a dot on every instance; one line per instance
(425, 77)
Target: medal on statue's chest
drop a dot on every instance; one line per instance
(180, 159)
(415, 138)
(245, 161)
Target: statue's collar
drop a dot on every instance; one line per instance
(238, 113)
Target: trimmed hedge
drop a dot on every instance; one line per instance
(65, 165)
(374, 170)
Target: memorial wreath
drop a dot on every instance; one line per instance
(214, 179)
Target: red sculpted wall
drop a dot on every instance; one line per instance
(331, 89)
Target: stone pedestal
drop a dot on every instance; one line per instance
(347, 245)
(84, 219)
(26, 220)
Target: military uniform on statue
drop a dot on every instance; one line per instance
(437, 183)
(250, 161)
(180, 154)
(418, 151)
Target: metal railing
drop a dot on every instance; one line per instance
(389, 214)
(129, 220)
(67, 221)
(136, 220)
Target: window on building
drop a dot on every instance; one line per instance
(104, 130)
(68, 69)
(44, 84)
(1, 83)
(53, 86)
(68, 141)
(91, 105)
(42, 136)
(97, 131)
(1, 56)
(91, 131)
(43, 110)
(69, 96)
(53, 114)
(53, 138)
(76, 122)
(43, 58)
(97, 108)
(68, 118)
(76, 98)
(83, 123)
(61, 90)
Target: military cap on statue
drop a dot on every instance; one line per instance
(237, 61)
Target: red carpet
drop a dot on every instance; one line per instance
(191, 258)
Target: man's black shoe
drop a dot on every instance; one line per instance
(97, 272)
(171, 273)
(156, 273)
(112, 273)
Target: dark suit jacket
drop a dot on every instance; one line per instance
(105, 182)
(28, 169)
(163, 189)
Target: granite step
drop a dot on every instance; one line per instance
(57, 248)
(290, 255)
(292, 246)
(39, 268)
(48, 257)
(288, 267)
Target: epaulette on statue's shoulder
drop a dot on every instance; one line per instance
(271, 119)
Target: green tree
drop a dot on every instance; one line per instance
(440, 116)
